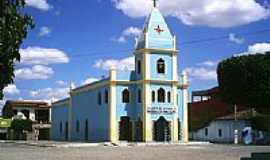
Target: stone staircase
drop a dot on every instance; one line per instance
(258, 156)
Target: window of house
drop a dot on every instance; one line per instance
(220, 133)
(26, 113)
(206, 131)
(139, 96)
(139, 67)
(61, 127)
(99, 98)
(106, 97)
(161, 95)
(125, 96)
(153, 96)
(77, 126)
(160, 66)
(169, 97)
(15, 112)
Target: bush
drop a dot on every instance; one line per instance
(21, 124)
(261, 123)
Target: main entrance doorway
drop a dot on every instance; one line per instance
(125, 129)
(162, 131)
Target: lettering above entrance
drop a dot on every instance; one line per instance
(161, 110)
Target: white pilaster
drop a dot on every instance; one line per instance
(174, 132)
(113, 129)
(185, 108)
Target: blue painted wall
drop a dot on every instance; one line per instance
(167, 88)
(85, 107)
(153, 67)
(130, 109)
(59, 114)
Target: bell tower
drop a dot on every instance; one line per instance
(156, 70)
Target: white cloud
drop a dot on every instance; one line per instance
(132, 31)
(128, 32)
(44, 31)
(256, 48)
(45, 56)
(50, 93)
(11, 89)
(36, 72)
(209, 63)
(259, 48)
(119, 64)
(201, 73)
(89, 80)
(120, 39)
(39, 4)
(233, 38)
(61, 83)
(212, 13)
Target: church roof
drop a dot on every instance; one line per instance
(157, 32)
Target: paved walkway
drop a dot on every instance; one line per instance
(63, 144)
(20, 151)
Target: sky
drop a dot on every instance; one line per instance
(77, 42)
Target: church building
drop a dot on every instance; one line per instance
(147, 104)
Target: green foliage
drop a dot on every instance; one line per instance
(21, 124)
(261, 123)
(245, 80)
(200, 118)
(14, 25)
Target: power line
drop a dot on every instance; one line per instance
(204, 40)
(224, 37)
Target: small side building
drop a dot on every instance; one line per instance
(214, 120)
(36, 111)
(222, 129)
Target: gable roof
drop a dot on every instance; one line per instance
(158, 33)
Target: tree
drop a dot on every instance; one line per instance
(245, 80)
(13, 29)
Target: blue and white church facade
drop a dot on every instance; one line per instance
(147, 104)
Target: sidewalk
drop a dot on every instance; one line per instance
(60, 144)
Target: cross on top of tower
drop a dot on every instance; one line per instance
(155, 3)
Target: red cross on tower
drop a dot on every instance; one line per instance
(159, 30)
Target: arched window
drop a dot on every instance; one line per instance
(153, 96)
(206, 132)
(125, 96)
(61, 127)
(86, 130)
(161, 95)
(139, 96)
(220, 132)
(99, 98)
(160, 66)
(106, 97)
(139, 67)
(169, 97)
(77, 126)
